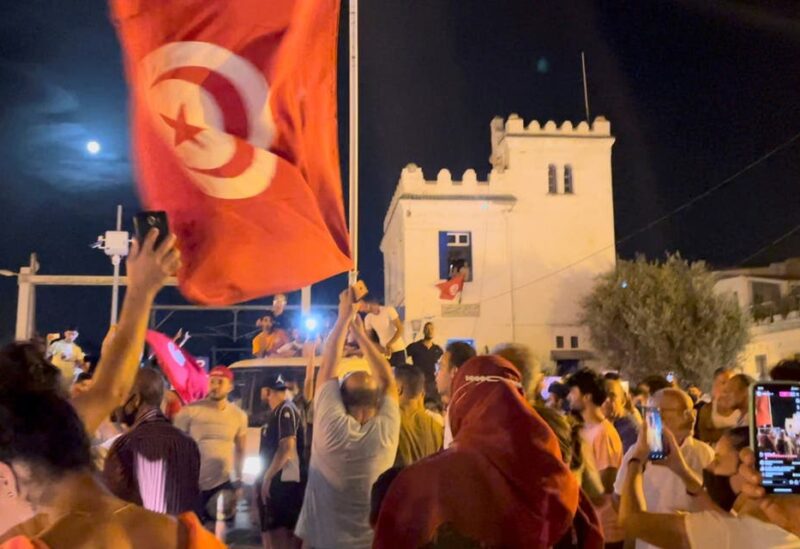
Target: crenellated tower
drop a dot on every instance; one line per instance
(535, 234)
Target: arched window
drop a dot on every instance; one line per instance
(552, 182)
(569, 186)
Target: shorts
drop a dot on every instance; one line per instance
(208, 502)
(283, 507)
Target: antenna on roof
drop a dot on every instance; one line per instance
(585, 88)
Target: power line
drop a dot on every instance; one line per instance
(725, 182)
(686, 205)
(766, 247)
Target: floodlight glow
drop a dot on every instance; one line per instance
(92, 147)
(311, 324)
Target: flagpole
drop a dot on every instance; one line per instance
(353, 163)
(585, 88)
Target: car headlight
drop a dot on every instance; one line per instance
(253, 466)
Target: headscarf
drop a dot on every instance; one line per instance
(501, 483)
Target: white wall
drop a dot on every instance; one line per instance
(525, 241)
(774, 341)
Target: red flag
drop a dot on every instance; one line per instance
(235, 136)
(181, 368)
(763, 411)
(450, 289)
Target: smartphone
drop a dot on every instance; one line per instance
(775, 435)
(655, 434)
(671, 377)
(144, 221)
(359, 290)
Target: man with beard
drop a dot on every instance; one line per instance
(154, 464)
(220, 429)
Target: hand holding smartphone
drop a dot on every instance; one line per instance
(775, 435)
(143, 222)
(359, 290)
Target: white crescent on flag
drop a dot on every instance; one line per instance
(212, 106)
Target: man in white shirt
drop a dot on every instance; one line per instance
(664, 491)
(65, 354)
(356, 433)
(759, 523)
(220, 429)
(386, 323)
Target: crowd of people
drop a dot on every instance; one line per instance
(406, 446)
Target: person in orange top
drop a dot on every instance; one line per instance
(45, 459)
(270, 339)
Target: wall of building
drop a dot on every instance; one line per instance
(535, 254)
(773, 342)
(771, 339)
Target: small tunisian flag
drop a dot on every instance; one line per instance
(450, 289)
(235, 135)
(181, 368)
(763, 411)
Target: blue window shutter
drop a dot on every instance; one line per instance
(444, 267)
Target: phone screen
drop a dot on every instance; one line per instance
(775, 429)
(655, 434)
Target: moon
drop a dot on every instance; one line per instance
(93, 147)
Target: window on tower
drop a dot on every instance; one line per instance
(569, 187)
(455, 253)
(552, 182)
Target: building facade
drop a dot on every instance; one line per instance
(534, 236)
(771, 297)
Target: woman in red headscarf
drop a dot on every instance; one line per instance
(501, 484)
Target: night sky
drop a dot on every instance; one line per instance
(694, 93)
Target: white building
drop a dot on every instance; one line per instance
(534, 236)
(771, 296)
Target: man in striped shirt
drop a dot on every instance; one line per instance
(154, 465)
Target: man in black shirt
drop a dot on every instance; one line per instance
(281, 495)
(425, 354)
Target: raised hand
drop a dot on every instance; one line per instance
(783, 511)
(149, 267)
(347, 307)
(674, 460)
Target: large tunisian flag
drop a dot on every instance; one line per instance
(234, 132)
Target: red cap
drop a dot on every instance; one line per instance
(221, 371)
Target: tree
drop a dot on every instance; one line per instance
(652, 318)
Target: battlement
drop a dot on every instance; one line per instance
(515, 125)
(413, 181)
(412, 184)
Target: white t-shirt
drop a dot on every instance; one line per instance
(215, 432)
(64, 355)
(383, 324)
(346, 460)
(711, 529)
(664, 491)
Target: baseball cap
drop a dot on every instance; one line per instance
(276, 383)
(221, 371)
